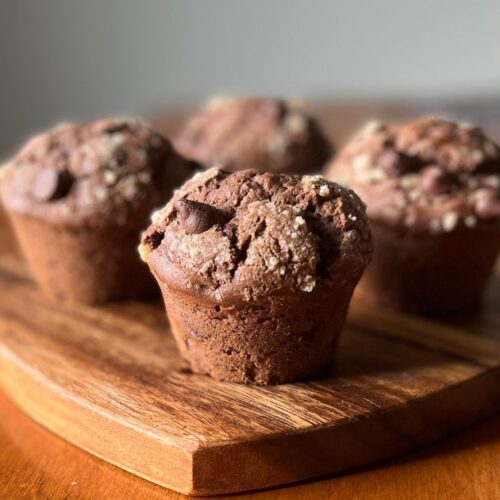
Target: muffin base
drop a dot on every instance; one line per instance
(282, 339)
(85, 265)
(429, 274)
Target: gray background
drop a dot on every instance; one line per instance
(72, 59)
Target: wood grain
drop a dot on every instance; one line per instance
(110, 380)
(35, 463)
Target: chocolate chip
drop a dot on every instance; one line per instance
(396, 164)
(120, 157)
(436, 181)
(116, 128)
(488, 204)
(52, 184)
(196, 217)
(273, 109)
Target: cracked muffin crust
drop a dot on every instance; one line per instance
(428, 175)
(262, 256)
(273, 233)
(260, 133)
(108, 170)
(432, 189)
(83, 193)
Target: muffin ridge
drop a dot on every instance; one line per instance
(111, 163)
(262, 133)
(432, 190)
(78, 197)
(431, 174)
(270, 235)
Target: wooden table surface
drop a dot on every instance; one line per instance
(37, 464)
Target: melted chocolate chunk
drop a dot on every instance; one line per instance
(120, 157)
(118, 127)
(196, 217)
(436, 181)
(396, 164)
(51, 184)
(273, 109)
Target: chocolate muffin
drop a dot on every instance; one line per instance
(257, 271)
(260, 133)
(432, 189)
(78, 197)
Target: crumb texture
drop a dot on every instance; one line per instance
(262, 233)
(259, 133)
(111, 169)
(427, 175)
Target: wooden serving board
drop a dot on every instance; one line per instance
(110, 380)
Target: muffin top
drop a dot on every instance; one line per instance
(248, 234)
(427, 175)
(260, 133)
(110, 170)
